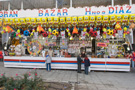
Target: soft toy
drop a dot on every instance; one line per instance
(105, 32)
(26, 33)
(85, 29)
(40, 29)
(50, 32)
(55, 32)
(114, 32)
(118, 27)
(109, 31)
(94, 33)
(45, 34)
(71, 38)
(75, 31)
(91, 30)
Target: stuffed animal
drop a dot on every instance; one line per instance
(94, 33)
(55, 32)
(26, 33)
(118, 27)
(45, 34)
(75, 30)
(110, 31)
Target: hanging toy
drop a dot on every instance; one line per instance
(71, 38)
(91, 30)
(110, 31)
(69, 34)
(26, 33)
(118, 27)
(85, 29)
(67, 29)
(75, 31)
(40, 29)
(55, 32)
(114, 32)
(104, 32)
(94, 33)
(45, 34)
(50, 32)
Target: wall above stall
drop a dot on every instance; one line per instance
(79, 11)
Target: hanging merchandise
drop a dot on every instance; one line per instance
(45, 34)
(49, 32)
(110, 31)
(6, 21)
(80, 20)
(28, 21)
(131, 18)
(38, 20)
(12, 22)
(68, 21)
(50, 21)
(93, 33)
(71, 38)
(104, 32)
(56, 22)
(17, 21)
(55, 32)
(26, 33)
(106, 20)
(22, 21)
(92, 20)
(63, 34)
(62, 22)
(119, 19)
(83, 33)
(18, 33)
(86, 20)
(98, 35)
(33, 22)
(125, 19)
(75, 31)
(44, 21)
(40, 29)
(118, 27)
(98, 19)
(74, 21)
(112, 19)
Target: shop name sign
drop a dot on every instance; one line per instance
(125, 9)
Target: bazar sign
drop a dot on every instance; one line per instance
(125, 9)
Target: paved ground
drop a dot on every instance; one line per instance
(93, 81)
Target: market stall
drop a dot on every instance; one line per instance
(103, 34)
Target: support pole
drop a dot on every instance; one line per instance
(130, 2)
(56, 3)
(112, 3)
(22, 5)
(9, 6)
(70, 3)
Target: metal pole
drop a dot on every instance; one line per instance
(70, 3)
(112, 3)
(9, 6)
(130, 2)
(22, 5)
(56, 3)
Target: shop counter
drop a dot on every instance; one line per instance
(102, 64)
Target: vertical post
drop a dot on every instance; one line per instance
(130, 2)
(112, 3)
(56, 3)
(70, 3)
(8, 6)
(22, 5)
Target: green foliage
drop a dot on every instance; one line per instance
(27, 82)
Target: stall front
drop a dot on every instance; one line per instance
(102, 33)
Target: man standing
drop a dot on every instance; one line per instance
(79, 61)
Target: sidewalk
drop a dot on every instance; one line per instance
(93, 81)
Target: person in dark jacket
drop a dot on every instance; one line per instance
(79, 62)
(86, 64)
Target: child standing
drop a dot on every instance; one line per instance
(86, 64)
(48, 60)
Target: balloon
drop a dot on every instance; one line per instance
(109, 31)
(50, 30)
(125, 29)
(85, 29)
(55, 32)
(104, 29)
(18, 31)
(118, 27)
(26, 33)
(67, 30)
(69, 34)
(45, 34)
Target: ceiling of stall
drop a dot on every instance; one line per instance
(36, 4)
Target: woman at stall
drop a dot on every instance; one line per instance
(86, 64)
(48, 60)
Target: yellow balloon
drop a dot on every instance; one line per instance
(69, 34)
(84, 29)
(104, 29)
(4, 28)
(18, 31)
(19, 36)
(125, 28)
(31, 33)
(50, 30)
